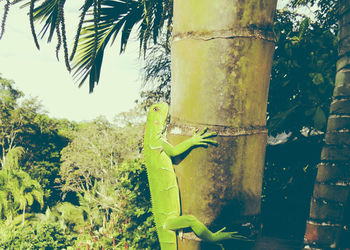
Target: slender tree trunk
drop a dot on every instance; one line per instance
(329, 220)
(222, 53)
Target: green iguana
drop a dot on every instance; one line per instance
(163, 183)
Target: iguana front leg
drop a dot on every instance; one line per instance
(198, 139)
(179, 222)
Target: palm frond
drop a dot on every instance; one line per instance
(59, 39)
(4, 18)
(84, 9)
(64, 36)
(154, 18)
(96, 21)
(16, 1)
(38, 195)
(107, 19)
(48, 12)
(4, 204)
(29, 198)
(57, 27)
(115, 17)
(158, 20)
(31, 20)
(12, 158)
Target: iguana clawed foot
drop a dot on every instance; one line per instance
(201, 138)
(220, 236)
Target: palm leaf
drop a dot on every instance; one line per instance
(115, 17)
(30, 199)
(12, 158)
(3, 203)
(38, 195)
(158, 20)
(47, 12)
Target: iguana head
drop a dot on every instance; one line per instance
(158, 114)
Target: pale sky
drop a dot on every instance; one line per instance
(38, 73)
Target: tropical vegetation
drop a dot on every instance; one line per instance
(71, 184)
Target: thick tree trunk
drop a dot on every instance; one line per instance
(222, 53)
(329, 221)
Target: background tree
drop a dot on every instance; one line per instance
(300, 93)
(10, 120)
(24, 124)
(101, 166)
(113, 211)
(18, 189)
(328, 224)
(221, 60)
(94, 152)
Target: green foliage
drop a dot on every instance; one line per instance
(71, 218)
(97, 166)
(135, 225)
(107, 216)
(289, 174)
(96, 148)
(8, 95)
(44, 143)
(10, 116)
(326, 11)
(156, 75)
(119, 215)
(45, 235)
(118, 17)
(12, 158)
(17, 189)
(301, 86)
(303, 74)
(24, 124)
(112, 188)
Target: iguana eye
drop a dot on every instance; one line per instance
(155, 109)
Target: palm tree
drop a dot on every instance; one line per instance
(25, 191)
(17, 189)
(7, 206)
(4, 203)
(329, 219)
(222, 53)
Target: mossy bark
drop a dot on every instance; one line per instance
(329, 219)
(222, 53)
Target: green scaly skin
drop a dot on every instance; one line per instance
(163, 184)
